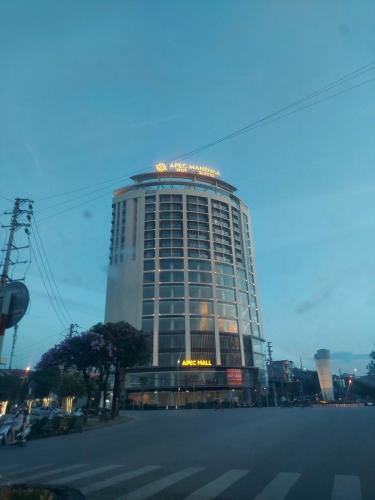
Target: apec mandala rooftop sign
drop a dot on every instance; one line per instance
(187, 168)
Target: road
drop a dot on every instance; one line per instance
(259, 454)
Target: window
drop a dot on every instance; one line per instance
(149, 244)
(170, 197)
(200, 292)
(176, 324)
(198, 244)
(148, 308)
(199, 253)
(150, 208)
(171, 252)
(245, 327)
(228, 310)
(147, 325)
(225, 294)
(150, 225)
(168, 291)
(258, 345)
(172, 233)
(171, 264)
(150, 216)
(170, 224)
(199, 265)
(200, 277)
(149, 265)
(202, 324)
(149, 235)
(170, 243)
(243, 313)
(149, 254)
(201, 308)
(148, 292)
(171, 215)
(241, 273)
(243, 298)
(171, 276)
(198, 226)
(148, 277)
(223, 280)
(242, 285)
(151, 198)
(172, 342)
(227, 325)
(171, 307)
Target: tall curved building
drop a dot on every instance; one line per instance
(182, 269)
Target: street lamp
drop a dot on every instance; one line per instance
(178, 384)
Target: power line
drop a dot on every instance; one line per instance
(44, 284)
(340, 81)
(67, 315)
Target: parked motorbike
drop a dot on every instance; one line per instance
(6, 433)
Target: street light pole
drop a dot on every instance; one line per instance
(178, 384)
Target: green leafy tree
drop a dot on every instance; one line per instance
(130, 348)
(72, 384)
(44, 381)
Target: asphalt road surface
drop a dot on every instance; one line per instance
(252, 454)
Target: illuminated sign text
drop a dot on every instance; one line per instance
(196, 362)
(184, 168)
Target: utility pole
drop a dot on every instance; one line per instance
(72, 329)
(17, 221)
(269, 347)
(13, 346)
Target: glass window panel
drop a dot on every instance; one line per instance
(148, 277)
(228, 310)
(242, 285)
(150, 216)
(171, 252)
(171, 264)
(223, 268)
(171, 307)
(172, 324)
(171, 291)
(243, 298)
(150, 225)
(200, 277)
(243, 313)
(200, 292)
(149, 244)
(223, 280)
(148, 292)
(149, 265)
(171, 276)
(199, 253)
(147, 325)
(201, 308)
(225, 294)
(202, 324)
(227, 325)
(200, 265)
(148, 308)
(149, 253)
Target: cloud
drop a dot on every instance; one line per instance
(310, 304)
(348, 357)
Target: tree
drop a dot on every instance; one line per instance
(130, 348)
(11, 388)
(89, 353)
(371, 365)
(44, 381)
(72, 384)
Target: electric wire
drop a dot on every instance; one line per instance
(67, 313)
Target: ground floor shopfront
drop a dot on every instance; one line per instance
(190, 387)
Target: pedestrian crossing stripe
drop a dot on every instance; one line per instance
(345, 487)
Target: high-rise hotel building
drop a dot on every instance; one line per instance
(182, 269)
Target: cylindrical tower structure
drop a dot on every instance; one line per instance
(323, 367)
(182, 269)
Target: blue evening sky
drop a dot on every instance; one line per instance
(94, 90)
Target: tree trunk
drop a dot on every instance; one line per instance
(105, 393)
(88, 388)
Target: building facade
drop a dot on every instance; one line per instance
(323, 367)
(182, 269)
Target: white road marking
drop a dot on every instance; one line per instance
(279, 487)
(82, 475)
(125, 476)
(346, 488)
(52, 472)
(214, 488)
(28, 469)
(151, 489)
